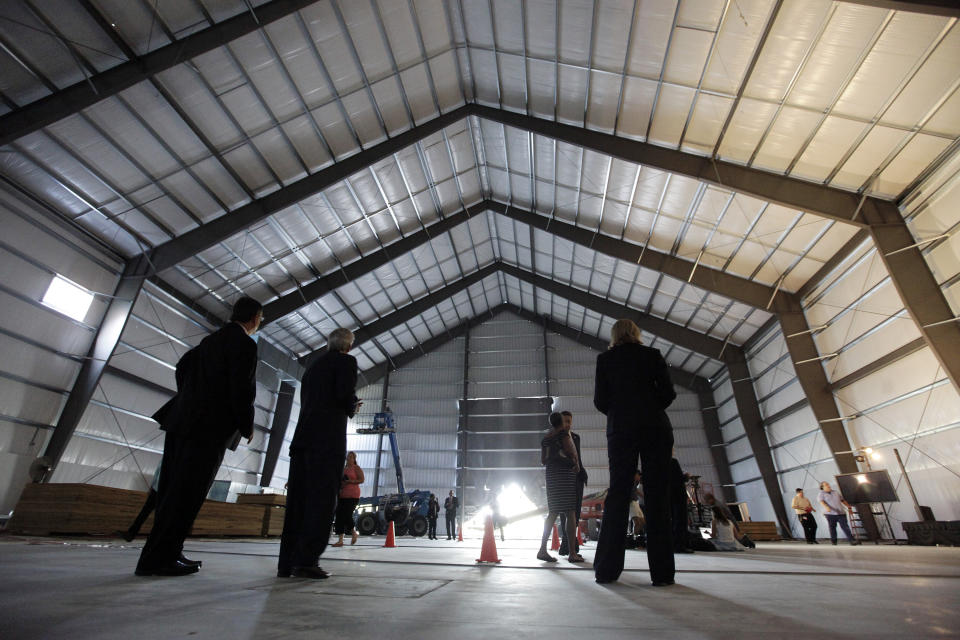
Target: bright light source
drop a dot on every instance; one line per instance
(512, 501)
(68, 298)
(875, 456)
(861, 478)
(868, 450)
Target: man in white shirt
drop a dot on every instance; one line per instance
(804, 510)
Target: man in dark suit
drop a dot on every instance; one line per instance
(215, 392)
(633, 390)
(581, 483)
(450, 505)
(317, 452)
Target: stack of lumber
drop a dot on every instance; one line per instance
(274, 508)
(760, 530)
(87, 509)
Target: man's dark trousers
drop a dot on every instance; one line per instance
(186, 469)
(451, 517)
(313, 485)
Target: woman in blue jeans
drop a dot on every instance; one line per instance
(835, 511)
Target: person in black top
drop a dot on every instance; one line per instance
(581, 483)
(678, 507)
(433, 511)
(450, 505)
(633, 390)
(212, 408)
(327, 400)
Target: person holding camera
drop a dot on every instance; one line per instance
(347, 501)
(559, 455)
(804, 510)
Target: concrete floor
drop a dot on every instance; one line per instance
(83, 588)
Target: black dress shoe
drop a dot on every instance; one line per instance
(175, 569)
(663, 583)
(281, 573)
(190, 563)
(315, 573)
(600, 580)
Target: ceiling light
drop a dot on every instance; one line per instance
(68, 298)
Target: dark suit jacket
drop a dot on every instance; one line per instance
(216, 388)
(327, 399)
(633, 389)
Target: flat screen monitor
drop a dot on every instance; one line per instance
(867, 486)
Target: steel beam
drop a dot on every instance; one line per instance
(872, 367)
(948, 8)
(412, 310)
(921, 294)
(825, 201)
(718, 450)
(314, 290)
(675, 333)
(93, 89)
(748, 408)
(743, 290)
(813, 380)
(278, 430)
(835, 260)
(105, 342)
(192, 242)
(713, 280)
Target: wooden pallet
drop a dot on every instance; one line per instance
(764, 531)
(87, 509)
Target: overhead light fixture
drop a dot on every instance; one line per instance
(861, 478)
(68, 298)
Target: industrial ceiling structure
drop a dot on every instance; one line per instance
(404, 167)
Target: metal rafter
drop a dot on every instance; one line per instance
(97, 87)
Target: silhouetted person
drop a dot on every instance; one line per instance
(802, 506)
(327, 400)
(678, 507)
(633, 389)
(450, 505)
(581, 483)
(559, 456)
(216, 388)
(433, 511)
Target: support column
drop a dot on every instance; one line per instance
(383, 408)
(278, 430)
(816, 387)
(749, 410)
(711, 426)
(464, 425)
(921, 294)
(104, 343)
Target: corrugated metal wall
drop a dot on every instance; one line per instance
(909, 403)
(42, 348)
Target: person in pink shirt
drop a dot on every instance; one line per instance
(348, 499)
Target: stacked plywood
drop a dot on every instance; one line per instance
(274, 508)
(87, 509)
(760, 530)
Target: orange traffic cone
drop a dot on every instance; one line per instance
(460, 534)
(488, 552)
(390, 543)
(581, 538)
(555, 544)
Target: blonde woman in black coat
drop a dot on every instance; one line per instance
(633, 390)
